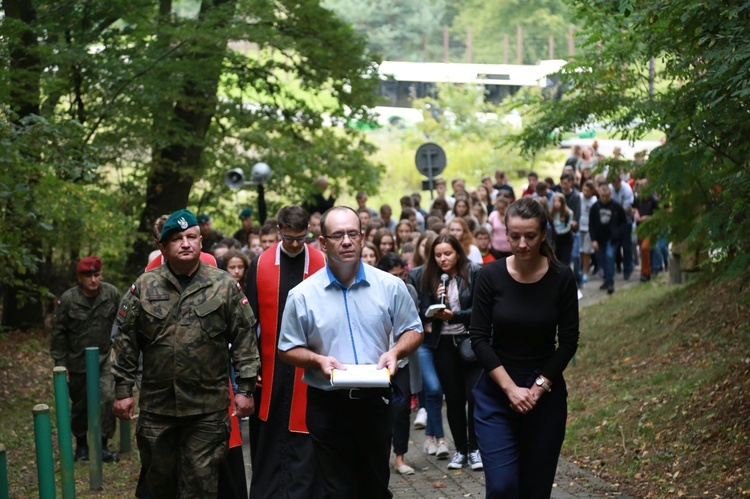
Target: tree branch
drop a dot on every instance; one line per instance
(124, 85)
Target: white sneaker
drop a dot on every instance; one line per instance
(442, 451)
(457, 462)
(420, 421)
(475, 460)
(429, 447)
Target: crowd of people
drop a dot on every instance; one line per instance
(470, 301)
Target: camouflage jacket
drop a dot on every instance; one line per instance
(185, 338)
(78, 325)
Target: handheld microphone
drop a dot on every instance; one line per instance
(444, 278)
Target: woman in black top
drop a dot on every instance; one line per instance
(450, 327)
(524, 330)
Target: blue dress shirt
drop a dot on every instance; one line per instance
(353, 324)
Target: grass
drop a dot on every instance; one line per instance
(26, 380)
(659, 400)
(659, 396)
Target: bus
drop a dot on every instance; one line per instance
(403, 82)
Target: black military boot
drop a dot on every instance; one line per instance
(82, 450)
(107, 455)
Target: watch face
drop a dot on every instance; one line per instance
(539, 381)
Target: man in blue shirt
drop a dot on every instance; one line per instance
(346, 313)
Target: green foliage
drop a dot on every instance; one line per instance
(492, 21)
(412, 30)
(698, 99)
(136, 99)
(49, 190)
(397, 30)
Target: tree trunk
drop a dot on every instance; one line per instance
(175, 166)
(25, 73)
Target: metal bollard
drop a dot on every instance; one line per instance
(125, 443)
(95, 418)
(4, 486)
(64, 436)
(45, 467)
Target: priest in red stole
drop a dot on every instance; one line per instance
(282, 453)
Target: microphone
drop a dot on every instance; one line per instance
(444, 278)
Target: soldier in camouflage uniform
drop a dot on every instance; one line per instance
(183, 316)
(83, 318)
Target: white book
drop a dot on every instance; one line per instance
(361, 376)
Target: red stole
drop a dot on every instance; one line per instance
(268, 276)
(235, 436)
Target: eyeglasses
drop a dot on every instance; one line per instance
(293, 239)
(353, 235)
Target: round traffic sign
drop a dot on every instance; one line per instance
(430, 159)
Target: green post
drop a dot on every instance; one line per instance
(125, 444)
(45, 466)
(4, 487)
(64, 436)
(93, 400)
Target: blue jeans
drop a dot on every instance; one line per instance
(577, 270)
(432, 399)
(605, 255)
(660, 255)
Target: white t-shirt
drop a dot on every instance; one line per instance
(586, 204)
(475, 256)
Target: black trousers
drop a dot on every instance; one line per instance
(351, 432)
(401, 411)
(457, 378)
(564, 248)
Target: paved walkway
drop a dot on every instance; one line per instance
(432, 479)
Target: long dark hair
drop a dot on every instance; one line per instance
(432, 272)
(528, 208)
(417, 259)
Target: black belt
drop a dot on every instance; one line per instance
(358, 393)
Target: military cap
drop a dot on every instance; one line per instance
(246, 213)
(177, 222)
(203, 218)
(89, 265)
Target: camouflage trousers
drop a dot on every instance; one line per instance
(181, 455)
(79, 401)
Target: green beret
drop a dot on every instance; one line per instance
(246, 213)
(203, 218)
(178, 221)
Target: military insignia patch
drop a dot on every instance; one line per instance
(244, 301)
(123, 312)
(132, 288)
(182, 223)
(58, 303)
(239, 286)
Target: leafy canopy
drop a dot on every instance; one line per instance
(698, 98)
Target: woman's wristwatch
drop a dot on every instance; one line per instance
(540, 382)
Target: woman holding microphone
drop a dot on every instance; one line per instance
(446, 293)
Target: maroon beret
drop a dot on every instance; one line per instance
(89, 265)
